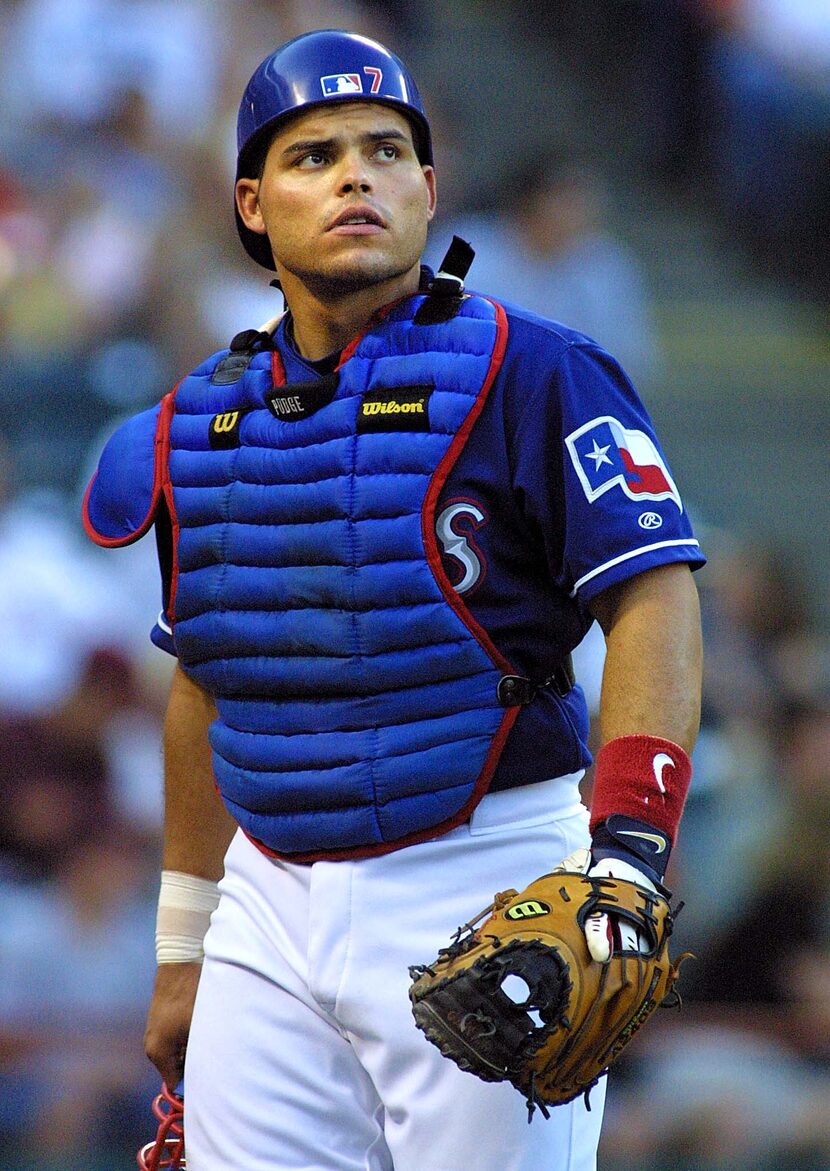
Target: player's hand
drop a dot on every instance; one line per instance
(168, 1021)
(607, 935)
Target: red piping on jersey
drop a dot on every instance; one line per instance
(277, 369)
(111, 542)
(377, 317)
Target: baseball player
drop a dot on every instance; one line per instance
(384, 520)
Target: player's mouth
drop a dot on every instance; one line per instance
(360, 220)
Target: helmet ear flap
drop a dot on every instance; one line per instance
(167, 1151)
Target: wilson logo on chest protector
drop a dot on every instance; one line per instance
(404, 409)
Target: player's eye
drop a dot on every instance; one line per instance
(312, 159)
(386, 152)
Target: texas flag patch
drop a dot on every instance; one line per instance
(606, 454)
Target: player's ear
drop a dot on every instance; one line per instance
(246, 193)
(432, 195)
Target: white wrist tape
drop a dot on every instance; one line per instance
(185, 906)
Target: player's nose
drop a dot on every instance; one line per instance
(354, 173)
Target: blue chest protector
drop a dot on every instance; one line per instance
(357, 697)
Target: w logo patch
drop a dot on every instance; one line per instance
(224, 430)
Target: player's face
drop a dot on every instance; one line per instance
(343, 199)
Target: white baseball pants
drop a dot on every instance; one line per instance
(303, 1052)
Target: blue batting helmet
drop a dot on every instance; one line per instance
(312, 70)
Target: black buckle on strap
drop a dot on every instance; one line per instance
(517, 690)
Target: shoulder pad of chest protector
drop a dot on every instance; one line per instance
(123, 495)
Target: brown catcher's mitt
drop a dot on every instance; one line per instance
(520, 999)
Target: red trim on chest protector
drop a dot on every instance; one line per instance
(357, 853)
(645, 777)
(439, 479)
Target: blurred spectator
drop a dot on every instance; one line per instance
(61, 767)
(741, 1078)
(764, 656)
(768, 954)
(78, 875)
(726, 103)
(763, 644)
(715, 1094)
(769, 71)
(73, 58)
(77, 960)
(58, 601)
(549, 249)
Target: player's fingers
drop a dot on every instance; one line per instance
(628, 937)
(599, 937)
(575, 863)
(607, 935)
(168, 1020)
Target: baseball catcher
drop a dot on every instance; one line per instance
(384, 520)
(555, 982)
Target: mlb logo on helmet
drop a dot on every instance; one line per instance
(605, 454)
(335, 84)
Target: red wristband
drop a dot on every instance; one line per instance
(645, 777)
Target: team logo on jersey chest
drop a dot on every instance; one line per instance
(606, 455)
(454, 528)
(406, 408)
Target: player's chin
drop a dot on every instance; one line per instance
(364, 269)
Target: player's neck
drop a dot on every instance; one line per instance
(324, 324)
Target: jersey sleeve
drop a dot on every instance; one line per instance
(609, 507)
(162, 634)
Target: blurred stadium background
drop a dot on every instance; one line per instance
(655, 172)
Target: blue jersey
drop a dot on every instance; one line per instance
(561, 491)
